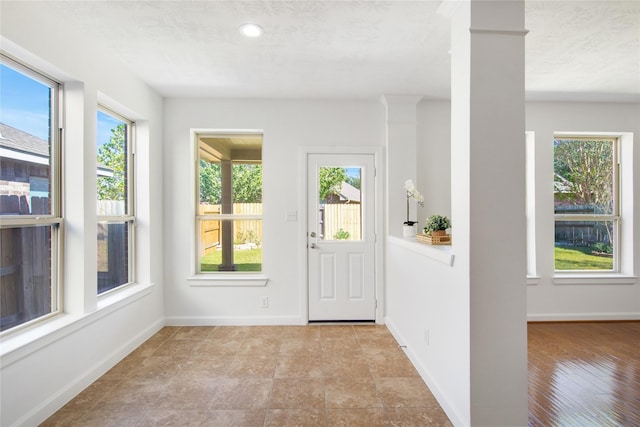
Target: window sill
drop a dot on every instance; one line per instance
(120, 297)
(441, 253)
(19, 345)
(228, 279)
(594, 279)
(533, 280)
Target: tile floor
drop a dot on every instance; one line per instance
(327, 375)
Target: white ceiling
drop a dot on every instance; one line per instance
(575, 50)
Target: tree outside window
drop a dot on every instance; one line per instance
(114, 201)
(585, 203)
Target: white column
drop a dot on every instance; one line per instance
(79, 182)
(488, 202)
(401, 157)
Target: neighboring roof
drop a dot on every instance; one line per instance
(349, 193)
(18, 140)
(20, 145)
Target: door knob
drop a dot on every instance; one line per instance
(312, 245)
(312, 234)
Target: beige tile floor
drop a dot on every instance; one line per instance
(327, 375)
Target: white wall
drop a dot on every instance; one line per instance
(434, 158)
(46, 365)
(287, 126)
(545, 300)
(426, 309)
(549, 301)
(427, 304)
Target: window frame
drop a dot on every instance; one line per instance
(615, 217)
(129, 217)
(55, 218)
(200, 218)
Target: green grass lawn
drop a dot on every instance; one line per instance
(580, 258)
(249, 260)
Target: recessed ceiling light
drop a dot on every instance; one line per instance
(251, 30)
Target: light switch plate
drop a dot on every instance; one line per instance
(292, 216)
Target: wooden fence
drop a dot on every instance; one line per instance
(25, 265)
(582, 233)
(244, 231)
(334, 217)
(110, 207)
(113, 247)
(342, 216)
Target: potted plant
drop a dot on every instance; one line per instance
(437, 225)
(409, 227)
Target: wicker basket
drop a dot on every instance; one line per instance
(434, 240)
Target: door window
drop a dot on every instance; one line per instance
(340, 203)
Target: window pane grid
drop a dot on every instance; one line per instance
(30, 214)
(586, 208)
(227, 216)
(107, 219)
(228, 202)
(561, 217)
(115, 207)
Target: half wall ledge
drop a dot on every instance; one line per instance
(441, 253)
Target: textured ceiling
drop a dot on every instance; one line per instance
(345, 49)
(583, 50)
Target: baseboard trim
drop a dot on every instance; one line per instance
(448, 408)
(233, 320)
(582, 317)
(58, 400)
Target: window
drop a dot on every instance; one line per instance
(586, 204)
(30, 213)
(229, 205)
(115, 207)
(530, 206)
(340, 216)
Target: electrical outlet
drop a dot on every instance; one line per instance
(426, 337)
(264, 302)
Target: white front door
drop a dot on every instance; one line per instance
(341, 237)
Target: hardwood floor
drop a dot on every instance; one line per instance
(584, 374)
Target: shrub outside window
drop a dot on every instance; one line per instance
(30, 213)
(586, 204)
(115, 207)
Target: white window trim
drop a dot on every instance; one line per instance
(55, 218)
(593, 279)
(530, 198)
(625, 245)
(130, 216)
(224, 279)
(199, 278)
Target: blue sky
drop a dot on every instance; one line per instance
(105, 124)
(24, 105)
(355, 172)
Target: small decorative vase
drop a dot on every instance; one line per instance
(409, 230)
